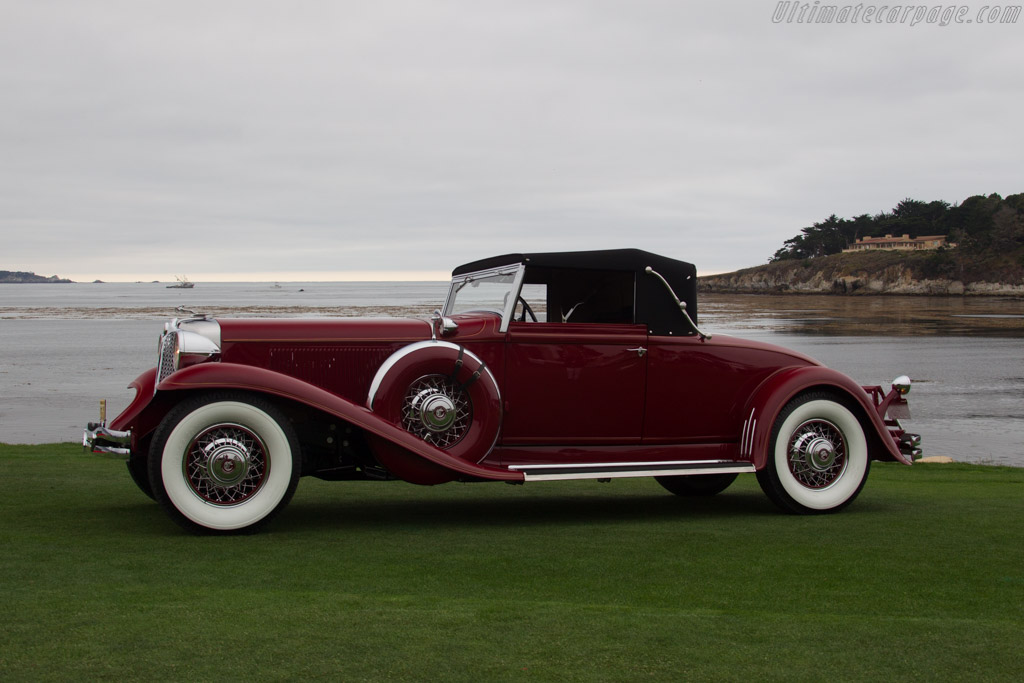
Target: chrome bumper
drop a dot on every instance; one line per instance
(910, 445)
(109, 442)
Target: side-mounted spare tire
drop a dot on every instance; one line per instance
(445, 395)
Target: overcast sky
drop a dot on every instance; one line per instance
(328, 139)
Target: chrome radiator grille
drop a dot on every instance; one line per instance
(168, 346)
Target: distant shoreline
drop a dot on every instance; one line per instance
(18, 277)
(882, 273)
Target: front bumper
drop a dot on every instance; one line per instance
(110, 442)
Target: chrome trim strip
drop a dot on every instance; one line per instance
(649, 463)
(735, 468)
(746, 442)
(398, 355)
(510, 305)
(463, 280)
(401, 353)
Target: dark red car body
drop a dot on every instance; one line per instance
(611, 379)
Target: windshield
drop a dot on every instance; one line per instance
(491, 291)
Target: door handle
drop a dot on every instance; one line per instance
(640, 351)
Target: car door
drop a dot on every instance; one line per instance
(574, 383)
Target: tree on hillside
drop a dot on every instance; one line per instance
(978, 223)
(820, 239)
(971, 222)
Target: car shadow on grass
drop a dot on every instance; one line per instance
(538, 511)
(432, 510)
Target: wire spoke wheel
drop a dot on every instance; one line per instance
(437, 410)
(226, 464)
(817, 454)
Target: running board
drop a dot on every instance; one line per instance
(615, 470)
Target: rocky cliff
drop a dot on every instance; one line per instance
(880, 272)
(20, 277)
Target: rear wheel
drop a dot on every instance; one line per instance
(695, 485)
(224, 462)
(819, 456)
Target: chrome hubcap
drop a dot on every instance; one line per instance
(226, 464)
(817, 454)
(437, 410)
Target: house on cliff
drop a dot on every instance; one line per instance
(904, 243)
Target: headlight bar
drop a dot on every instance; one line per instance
(179, 348)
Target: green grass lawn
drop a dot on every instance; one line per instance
(921, 579)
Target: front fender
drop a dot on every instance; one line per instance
(248, 378)
(768, 400)
(143, 385)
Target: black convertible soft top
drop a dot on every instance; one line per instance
(654, 305)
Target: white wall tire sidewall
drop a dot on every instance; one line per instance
(254, 508)
(849, 482)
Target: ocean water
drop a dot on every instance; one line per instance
(64, 347)
(155, 301)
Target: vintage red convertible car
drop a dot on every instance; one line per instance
(578, 365)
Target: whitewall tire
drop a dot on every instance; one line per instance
(818, 459)
(224, 462)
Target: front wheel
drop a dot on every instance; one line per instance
(138, 467)
(224, 462)
(818, 460)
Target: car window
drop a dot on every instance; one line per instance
(579, 295)
(489, 291)
(535, 299)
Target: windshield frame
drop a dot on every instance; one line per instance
(517, 270)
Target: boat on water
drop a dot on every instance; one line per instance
(182, 283)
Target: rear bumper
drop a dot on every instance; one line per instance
(910, 445)
(109, 442)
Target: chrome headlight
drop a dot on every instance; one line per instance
(186, 342)
(902, 385)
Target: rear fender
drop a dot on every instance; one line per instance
(777, 390)
(208, 376)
